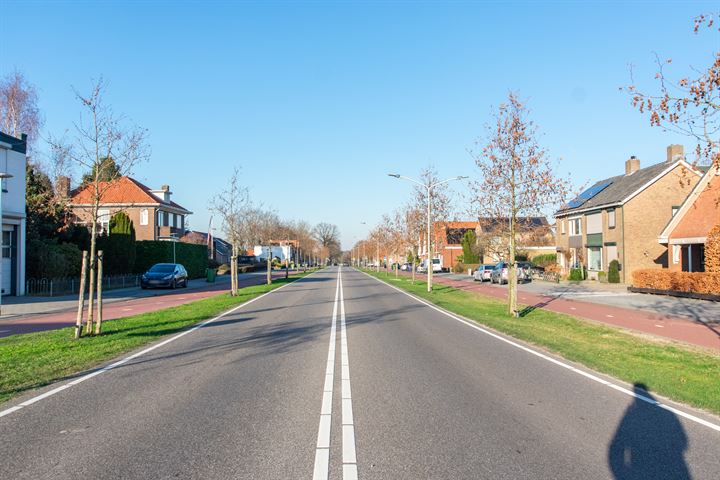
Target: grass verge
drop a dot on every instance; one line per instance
(33, 360)
(686, 374)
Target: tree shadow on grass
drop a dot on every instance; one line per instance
(649, 442)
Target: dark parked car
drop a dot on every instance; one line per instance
(168, 275)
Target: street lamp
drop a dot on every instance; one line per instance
(428, 188)
(3, 175)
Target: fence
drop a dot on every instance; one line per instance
(52, 287)
(546, 276)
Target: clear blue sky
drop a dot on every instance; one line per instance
(317, 101)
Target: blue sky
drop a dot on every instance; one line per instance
(317, 101)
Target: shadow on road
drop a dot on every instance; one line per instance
(650, 442)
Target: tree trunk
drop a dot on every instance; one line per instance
(81, 296)
(269, 266)
(91, 283)
(98, 320)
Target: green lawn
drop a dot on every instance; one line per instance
(35, 359)
(686, 374)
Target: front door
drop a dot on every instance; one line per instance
(7, 261)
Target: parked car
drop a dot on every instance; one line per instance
(168, 275)
(483, 272)
(527, 269)
(406, 267)
(500, 274)
(436, 266)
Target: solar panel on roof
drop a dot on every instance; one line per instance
(588, 194)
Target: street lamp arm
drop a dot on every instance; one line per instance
(403, 177)
(448, 180)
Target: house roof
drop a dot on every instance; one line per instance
(622, 187)
(703, 186)
(124, 190)
(489, 223)
(16, 144)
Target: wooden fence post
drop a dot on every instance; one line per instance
(98, 320)
(81, 296)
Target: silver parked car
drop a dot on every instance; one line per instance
(500, 274)
(483, 272)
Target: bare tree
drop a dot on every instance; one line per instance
(689, 106)
(109, 148)
(517, 179)
(440, 206)
(19, 112)
(232, 205)
(328, 236)
(261, 228)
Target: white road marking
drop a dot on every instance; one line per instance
(322, 450)
(114, 365)
(348, 427)
(590, 376)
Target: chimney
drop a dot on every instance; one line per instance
(165, 189)
(675, 153)
(62, 187)
(632, 165)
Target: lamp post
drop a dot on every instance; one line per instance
(428, 188)
(3, 175)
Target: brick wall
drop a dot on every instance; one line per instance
(645, 217)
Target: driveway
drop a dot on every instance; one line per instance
(618, 296)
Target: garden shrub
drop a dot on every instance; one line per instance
(712, 250)
(695, 282)
(576, 274)
(602, 277)
(545, 259)
(614, 272)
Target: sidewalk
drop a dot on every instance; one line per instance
(62, 311)
(671, 320)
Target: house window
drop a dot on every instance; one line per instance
(103, 220)
(575, 226)
(611, 218)
(6, 244)
(144, 216)
(174, 220)
(595, 258)
(676, 251)
(675, 209)
(562, 226)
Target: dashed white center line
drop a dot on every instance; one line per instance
(348, 427)
(322, 449)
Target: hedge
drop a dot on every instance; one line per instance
(545, 259)
(192, 256)
(48, 259)
(695, 282)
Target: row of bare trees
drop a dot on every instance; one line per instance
(516, 178)
(248, 224)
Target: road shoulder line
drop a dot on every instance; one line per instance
(590, 376)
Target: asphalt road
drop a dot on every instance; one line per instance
(280, 389)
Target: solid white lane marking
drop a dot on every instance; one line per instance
(349, 459)
(322, 450)
(590, 376)
(112, 366)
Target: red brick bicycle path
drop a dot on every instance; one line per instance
(124, 308)
(674, 328)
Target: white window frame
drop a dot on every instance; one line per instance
(599, 264)
(612, 218)
(575, 231)
(144, 216)
(103, 219)
(562, 226)
(676, 254)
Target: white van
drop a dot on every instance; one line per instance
(436, 266)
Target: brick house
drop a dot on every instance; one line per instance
(619, 218)
(154, 215)
(534, 235)
(685, 234)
